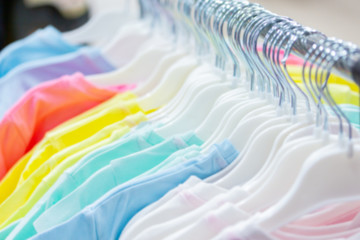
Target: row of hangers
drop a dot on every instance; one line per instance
(228, 77)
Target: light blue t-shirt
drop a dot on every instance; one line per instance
(107, 217)
(116, 173)
(15, 84)
(42, 44)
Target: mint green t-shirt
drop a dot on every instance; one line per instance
(74, 176)
(176, 158)
(119, 171)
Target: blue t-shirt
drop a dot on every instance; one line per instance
(42, 44)
(107, 217)
(14, 85)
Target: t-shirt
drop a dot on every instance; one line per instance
(4, 233)
(193, 211)
(211, 224)
(41, 109)
(116, 173)
(181, 200)
(178, 157)
(244, 231)
(45, 175)
(133, 142)
(87, 166)
(120, 204)
(42, 44)
(15, 84)
(71, 132)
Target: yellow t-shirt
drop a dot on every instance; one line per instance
(341, 90)
(40, 181)
(296, 74)
(67, 134)
(30, 190)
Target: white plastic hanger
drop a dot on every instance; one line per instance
(232, 118)
(154, 79)
(288, 167)
(215, 116)
(146, 60)
(169, 85)
(251, 161)
(244, 111)
(196, 112)
(99, 29)
(310, 191)
(337, 163)
(286, 140)
(190, 82)
(124, 46)
(107, 18)
(279, 142)
(97, 7)
(204, 100)
(192, 86)
(202, 82)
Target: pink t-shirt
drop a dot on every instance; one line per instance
(44, 107)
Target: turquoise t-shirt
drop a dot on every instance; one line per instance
(116, 173)
(74, 176)
(6, 231)
(352, 112)
(175, 159)
(43, 43)
(107, 217)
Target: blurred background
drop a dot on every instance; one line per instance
(19, 18)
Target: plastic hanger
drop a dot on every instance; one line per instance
(147, 60)
(126, 43)
(252, 161)
(157, 97)
(236, 117)
(192, 86)
(214, 117)
(333, 164)
(272, 188)
(185, 95)
(210, 94)
(202, 83)
(286, 140)
(278, 142)
(99, 29)
(338, 163)
(97, 7)
(196, 112)
(288, 167)
(169, 85)
(107, 18)
(202, 103)
(189, 84)
(164, 64)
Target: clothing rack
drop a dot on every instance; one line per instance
(347, 67)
